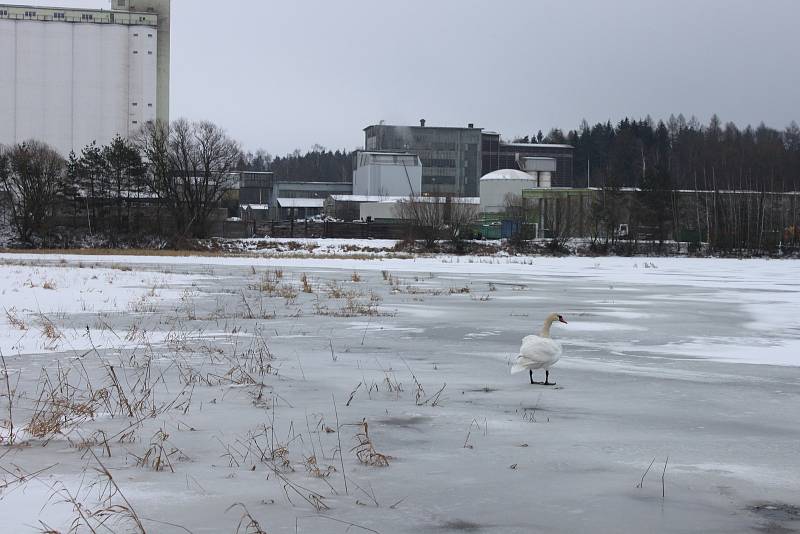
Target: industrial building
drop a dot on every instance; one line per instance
(453, 159)
(496, 155)
(72, 76)
(387, 174)
(255, 187)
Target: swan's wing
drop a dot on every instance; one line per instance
(540, 349)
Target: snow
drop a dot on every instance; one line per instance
(301, 202)
(509, 174)
(394, 200)
(695, 360)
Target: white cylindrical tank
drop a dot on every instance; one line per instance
(497, 185)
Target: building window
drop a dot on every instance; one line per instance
(135, 122)
(136, 35)
(58, 16)
(135, 104)
(135, 51)
(3, 13)
(149, 105)
(30, 14)
(150, 35)
(120, 3)
(149, 52)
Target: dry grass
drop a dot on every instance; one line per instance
(306, 284)
(365, 450)
(300, 252)
(49, 284)
(247, 523)
(315, 471)
(14, 320)
(355, 277)
(51, 334)
(460, 290)
(159, 453)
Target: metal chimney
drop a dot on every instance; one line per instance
(422, 123)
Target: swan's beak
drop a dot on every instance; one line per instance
(561, 319)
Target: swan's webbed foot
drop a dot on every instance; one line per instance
(546, 380)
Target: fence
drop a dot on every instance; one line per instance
(339, 230)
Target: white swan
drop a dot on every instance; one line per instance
(539, 352)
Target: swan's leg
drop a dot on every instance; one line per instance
(547, 379)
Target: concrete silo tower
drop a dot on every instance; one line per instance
(162, 9)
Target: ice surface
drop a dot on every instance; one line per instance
(695, 360)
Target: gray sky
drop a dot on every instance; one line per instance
(286, 74)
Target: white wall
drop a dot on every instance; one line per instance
(387, 180)
(378, 210)
(68, 84)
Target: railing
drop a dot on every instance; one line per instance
(127, 20)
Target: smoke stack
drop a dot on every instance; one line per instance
(422, 123)
(470, 126)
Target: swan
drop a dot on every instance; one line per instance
(540, 352)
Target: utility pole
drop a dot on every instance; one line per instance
(588, 172)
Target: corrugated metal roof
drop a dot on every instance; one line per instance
(301, 202)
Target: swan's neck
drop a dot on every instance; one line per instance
(546, 328)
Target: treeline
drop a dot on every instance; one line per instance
(316, 165)
(168, 180)
(739, 182)
(679, 154)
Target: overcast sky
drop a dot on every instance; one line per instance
(286, 74)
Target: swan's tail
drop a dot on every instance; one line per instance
(518, 366)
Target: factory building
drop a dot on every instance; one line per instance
(72, 76)
(453, 159)
(497, 155)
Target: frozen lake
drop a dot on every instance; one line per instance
(199, 383)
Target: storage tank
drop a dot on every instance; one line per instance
(497, 185)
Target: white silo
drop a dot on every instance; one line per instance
(497, 185)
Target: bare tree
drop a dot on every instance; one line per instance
(459, 219)
(559, 218)
(190, 170)
(425, 215)
(32, 174)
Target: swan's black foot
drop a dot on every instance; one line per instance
(546, 380)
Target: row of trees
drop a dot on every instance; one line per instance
(317, 165)
(732, 171)
(683, 154)
(184, 167)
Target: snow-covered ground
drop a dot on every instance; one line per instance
(230, 374)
